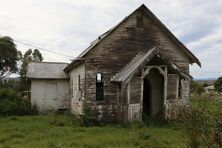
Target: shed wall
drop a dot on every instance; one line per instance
(45, 101)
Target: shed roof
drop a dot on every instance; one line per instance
(142, 59)
(46, 70)
(210, 87)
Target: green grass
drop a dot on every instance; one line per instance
(213, 101)
(42, 132)
(39, 131)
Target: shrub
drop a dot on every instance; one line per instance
(218, 84)
(11, 103)
(202, 126)
(89, 117)
(196, 88)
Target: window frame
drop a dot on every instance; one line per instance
(100, 88)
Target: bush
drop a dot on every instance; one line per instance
(11, 103)
(202, 126)
(89, 116)
(196, 88)
(218, 84)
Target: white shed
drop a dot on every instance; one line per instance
(209, 89)
(49, 85)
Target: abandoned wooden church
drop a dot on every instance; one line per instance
(138, 67)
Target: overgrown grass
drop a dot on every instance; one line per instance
(63, 131)
(213, 101)
(40, 131)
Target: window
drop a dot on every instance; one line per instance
(180, 89)
(73, 87)
(99, 87)
(78, 85)
(139, 22)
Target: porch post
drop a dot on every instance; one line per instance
(165, 93)
(165, 85)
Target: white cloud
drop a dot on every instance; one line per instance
(69, 26)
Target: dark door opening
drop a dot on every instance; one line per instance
(146, 99)
(153, 94)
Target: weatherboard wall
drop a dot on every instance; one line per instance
(117, 50)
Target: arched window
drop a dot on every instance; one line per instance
(99, 87)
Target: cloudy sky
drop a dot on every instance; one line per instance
(68, 26)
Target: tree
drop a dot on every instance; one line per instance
(8, 56)
(26, 59)
(196, 88)
(37, 56)
(218, 84)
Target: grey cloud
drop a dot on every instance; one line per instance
(69, 26)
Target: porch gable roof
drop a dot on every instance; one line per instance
(140, 60)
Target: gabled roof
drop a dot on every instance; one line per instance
(140, 60)
(46, 70)
(192, 57)
(129, 69)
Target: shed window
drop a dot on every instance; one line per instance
(99, 87)
(139, 22)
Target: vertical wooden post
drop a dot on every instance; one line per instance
(165, 93)
(141, 95)
(165, 85)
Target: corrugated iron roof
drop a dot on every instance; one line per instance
(46, 70)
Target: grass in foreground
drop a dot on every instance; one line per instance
(38, 131)
(41, 131)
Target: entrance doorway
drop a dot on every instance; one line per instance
(153, 92)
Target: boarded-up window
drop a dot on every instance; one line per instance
(99, 87)
(139, 22)
(172, 86)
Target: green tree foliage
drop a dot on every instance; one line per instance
(11, 103)
(218, 84)
(36, 55)
(26, 59)
(13, 84)
(196, 88)
(8, 56)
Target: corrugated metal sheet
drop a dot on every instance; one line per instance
(46, 70)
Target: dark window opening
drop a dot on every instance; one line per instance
(79, 83)
(99, 87)
(180, 89)
(139, 22)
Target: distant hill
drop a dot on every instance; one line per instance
(12, 77)
(206, 81)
